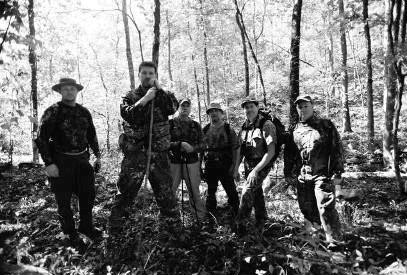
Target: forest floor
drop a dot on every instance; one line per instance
(375, 234)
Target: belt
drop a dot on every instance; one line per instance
(73, 153)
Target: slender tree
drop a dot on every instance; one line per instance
(205, 51)
(390, 87)
(128, 46)
(169, 45)
(346, 125)
(245, 59)
(198, 96)
(254, 56)
(138, 32)
(369, 86)
(32, 58)
(295, 59)
(156, 43)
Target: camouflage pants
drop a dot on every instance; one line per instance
(316, 198)
(253, 197)
(131, 177)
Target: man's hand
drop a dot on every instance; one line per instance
(150, 95)
(252, 178)
(97, 165)
(52, 171)
(186, 147)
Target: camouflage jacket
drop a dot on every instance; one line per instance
(65, 128)
(189, 131)
(315, 145)
(137, 119)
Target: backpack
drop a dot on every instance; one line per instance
(281, 132)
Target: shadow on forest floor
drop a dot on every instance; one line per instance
(375, 238)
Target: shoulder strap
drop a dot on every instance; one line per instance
(227, 130)
(205, 129)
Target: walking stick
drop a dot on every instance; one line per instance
(188, 181)
(150, 139)
(182, 198)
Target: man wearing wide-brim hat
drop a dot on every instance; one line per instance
(221, 146)
(65, 134)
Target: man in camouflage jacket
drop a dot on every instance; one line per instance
(135, 110)
(314, 161)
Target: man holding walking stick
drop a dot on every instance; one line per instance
(186, 143)
(134, 142)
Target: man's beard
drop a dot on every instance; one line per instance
(146, 83)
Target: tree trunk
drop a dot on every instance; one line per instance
(254, 56)
(32, 58)
(107, 113)
(128, 46)
(198, 97)
(246, 62)
(369, 87)
(169, 46)
(403, 24)
(156, 43)
(295, 59)
(396, 161)
(205, 53)
(138, 32)
(390, 87)
(346, 125)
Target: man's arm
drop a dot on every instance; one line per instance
(167, 102)
(129, 111)
(336, 155)
(46, 129)
(270, 135)
(292, 158)
(92, 137)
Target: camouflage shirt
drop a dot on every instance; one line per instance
(137, 119)
(316, 145)
(65, 128)
(219, 144)
(189, 131)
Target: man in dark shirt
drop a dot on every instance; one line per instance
(313, 160)
(65, 134)
(135, 110)
(221, 145)
(186, 144)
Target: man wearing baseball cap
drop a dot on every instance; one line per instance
(314, 159)
(258, 139)
(65, 134)
(186, 144)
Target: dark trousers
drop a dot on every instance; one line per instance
(214, 174)
(76, 176)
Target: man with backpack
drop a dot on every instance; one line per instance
(259, 148)
(186, 144)
(221, 145)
